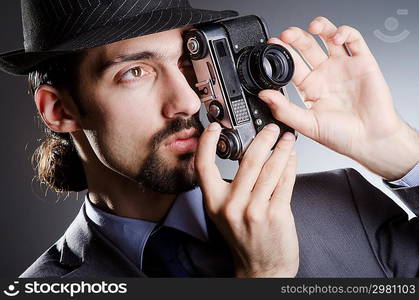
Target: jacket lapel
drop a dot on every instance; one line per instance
(86, 252)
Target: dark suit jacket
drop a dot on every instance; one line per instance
(346, 228)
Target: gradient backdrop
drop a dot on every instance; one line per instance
(31, 219)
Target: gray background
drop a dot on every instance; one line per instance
(31, 219)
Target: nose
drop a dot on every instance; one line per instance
(180, 100)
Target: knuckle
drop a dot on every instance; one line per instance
(254, 215)
(231, 213)
(267, 136)
(293, 157)
(269, 170)
(307, 43)
(248, 161)
(266, 182)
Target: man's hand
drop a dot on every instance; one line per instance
(350, 107)
(253, 212)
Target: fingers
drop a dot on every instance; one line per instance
(282, 109)
(305, 44)
(327, 30)
(301, 70)
(335, 39)
(208, 174)
(254, 159)
(273, 169)
(353, 40)
(283, 192)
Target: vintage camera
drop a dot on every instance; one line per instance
(233, 63)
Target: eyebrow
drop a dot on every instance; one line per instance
(129, 57)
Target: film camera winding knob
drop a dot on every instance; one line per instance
(229, 145)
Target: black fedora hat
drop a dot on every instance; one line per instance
(57, 27)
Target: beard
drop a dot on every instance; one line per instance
(156, 173)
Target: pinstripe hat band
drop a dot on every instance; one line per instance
(56, 27)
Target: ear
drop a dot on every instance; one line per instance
(50, 103)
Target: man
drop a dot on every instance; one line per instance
(113, 85)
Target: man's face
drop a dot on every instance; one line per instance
(141, 113)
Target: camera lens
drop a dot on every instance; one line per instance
(274, 67)
(268, 66)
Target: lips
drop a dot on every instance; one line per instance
(184, 141)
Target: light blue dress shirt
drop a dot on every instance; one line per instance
(410, 180)
(130, 235)
(187, 214)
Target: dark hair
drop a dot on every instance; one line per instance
(56, 160)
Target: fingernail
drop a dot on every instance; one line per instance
(272, 127)
(317, 24)
(214, 126)
(293, 153)
(288, 136)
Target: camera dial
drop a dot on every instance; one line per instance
(229, 145)
(193, 45)
(196, 44)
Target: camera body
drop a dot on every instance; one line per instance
(233, 63)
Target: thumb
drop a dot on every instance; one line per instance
(283, 110)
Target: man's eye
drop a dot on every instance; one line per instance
(133, 74)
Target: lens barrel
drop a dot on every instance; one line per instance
(266, 66)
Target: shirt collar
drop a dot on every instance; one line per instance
(130, 235)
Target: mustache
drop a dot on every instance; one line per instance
(176, 126)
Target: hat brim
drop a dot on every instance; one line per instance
(20, 62)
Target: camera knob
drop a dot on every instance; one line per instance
(193, 45)
(196, 44)
(216, 110)
(229, 145)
